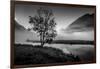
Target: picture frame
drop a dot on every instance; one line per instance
(74, 12)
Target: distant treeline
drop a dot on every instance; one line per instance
(73, 42)
(66, 41)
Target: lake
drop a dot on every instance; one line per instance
(86, 52)
(69, 48)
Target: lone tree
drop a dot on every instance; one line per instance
(44, 24)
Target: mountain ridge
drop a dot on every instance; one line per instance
(18, 26)
(83, 23)
(22, 34)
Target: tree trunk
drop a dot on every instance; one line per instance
(42, 44)
(42, 39)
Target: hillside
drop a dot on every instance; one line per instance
(18, 26)
(21, 34)
(28, 54)
(83, 23)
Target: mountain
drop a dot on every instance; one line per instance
(22, 34)
(18, 26)
(81, 29)
(83, 23)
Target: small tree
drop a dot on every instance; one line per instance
(44, 24)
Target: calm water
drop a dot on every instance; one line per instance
(67, 48)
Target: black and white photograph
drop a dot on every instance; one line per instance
(48, 34)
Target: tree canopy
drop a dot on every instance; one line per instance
(44, 24)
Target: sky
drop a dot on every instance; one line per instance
(64, 16)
